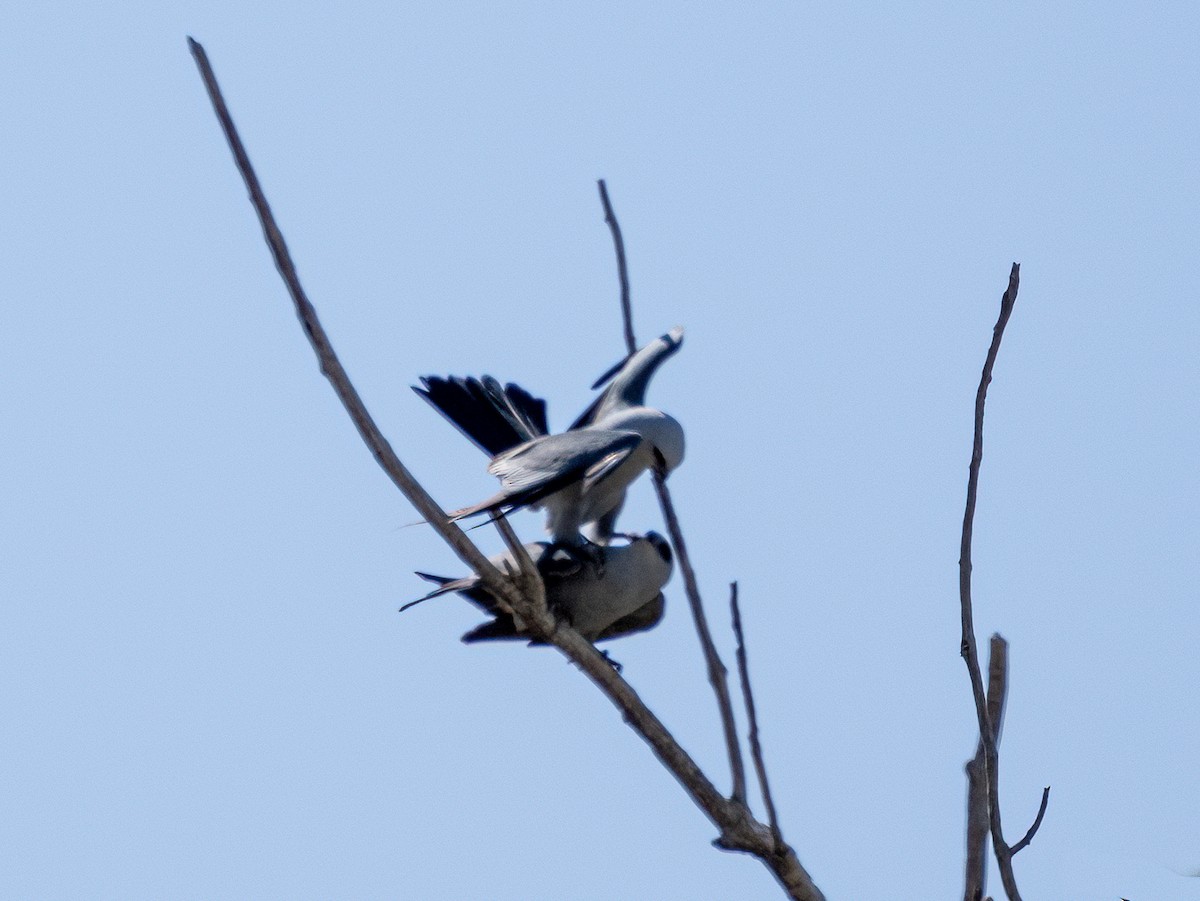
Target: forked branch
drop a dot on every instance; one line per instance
(717, 673)
(989, 725)
(978, 824)
(738, 829)
(756, 754)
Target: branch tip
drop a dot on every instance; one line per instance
(756, 753)
(1037, 823)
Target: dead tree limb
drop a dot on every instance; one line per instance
(738, 830)
(718, 675)
(622, 270)
(978, 824)
(1037, 824)
(988, 731)
(756, 754)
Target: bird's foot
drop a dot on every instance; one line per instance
(614, 664)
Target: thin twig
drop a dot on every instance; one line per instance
(717, 674)
(1037, 823)
(529, 580)
(756, 754)
(968, 647)
(622, 271)
(978, 826)
(738, 829)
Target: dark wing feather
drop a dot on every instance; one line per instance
(468, 586)
(539, 468)
(534, 408)
(498, 629)
(645, 617)
(487, 422)
(524, 412)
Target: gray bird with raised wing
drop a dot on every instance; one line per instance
(579, 476)
(623, 597)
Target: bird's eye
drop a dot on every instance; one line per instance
(661, 545)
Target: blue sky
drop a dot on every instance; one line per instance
(206, 687)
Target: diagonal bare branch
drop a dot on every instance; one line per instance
(717, 674)
(331, 367)
(756, 754)
(738, 829)
(528, 579)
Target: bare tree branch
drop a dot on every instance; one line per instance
(968, 649)
(978, 826)
(1037, 823)
(331, 367)
(528, 579)
(975, 875)
(738, 830)
(756, 754)
(997, 684)
(717, 674)
(622, 270)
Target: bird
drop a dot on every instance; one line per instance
(622, 598)
(578, 476)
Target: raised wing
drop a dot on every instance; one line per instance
(493, 417)
(539, 468)
(630, 378)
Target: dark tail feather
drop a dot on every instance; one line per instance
(500, 629)
(465, 405)
(533, 408)
(494, 505)
(525, 413)
(444, 584)
(494, 419)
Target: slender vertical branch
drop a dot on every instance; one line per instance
(978, 825)
(756, 754)
(717, 674)
(968, 647)
(622, 270)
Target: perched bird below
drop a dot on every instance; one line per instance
(579, 476)
(623, 597)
